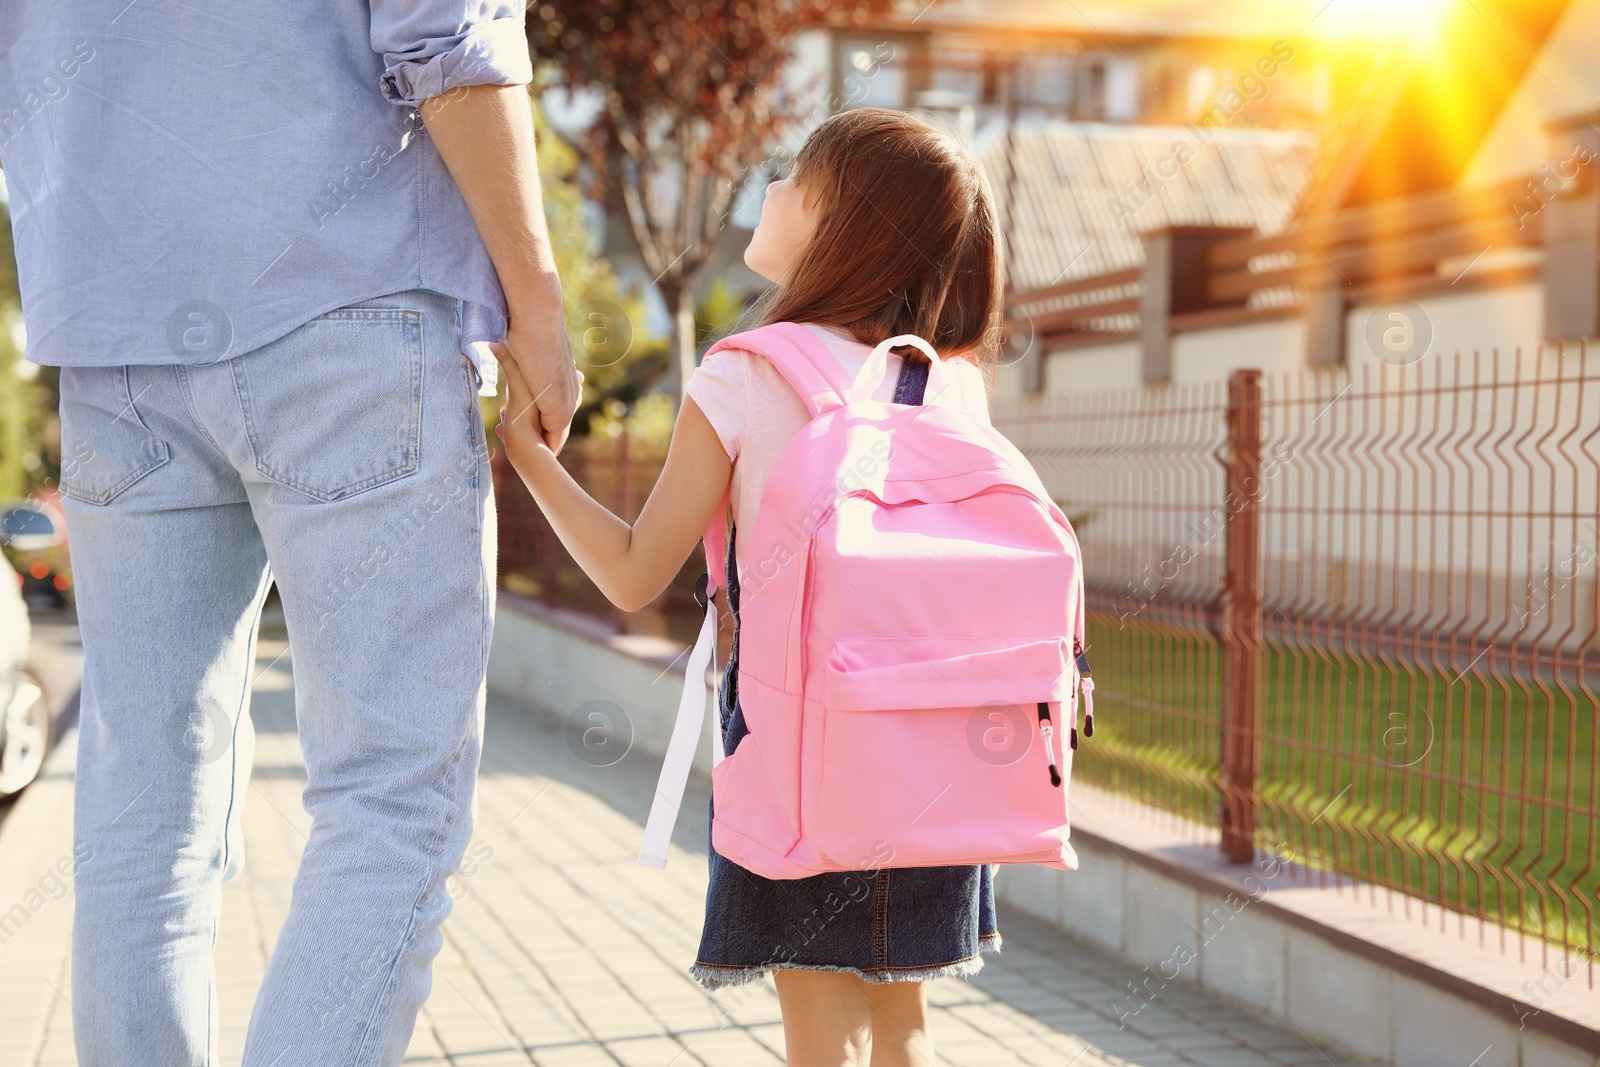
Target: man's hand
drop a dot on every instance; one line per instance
(522, 429)
(536, 360)
(484, 134)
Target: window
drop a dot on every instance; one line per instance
(871, 73)
(1202, 89)
(957, 76)
(1110, 90)
(1046, 81)
(1094, 92)
(1122, 91)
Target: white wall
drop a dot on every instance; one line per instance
(1473, 320)
(1093, 369)
(1272, 347)
(1481, 320)
(1089, 369)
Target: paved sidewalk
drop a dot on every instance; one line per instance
(562, 951)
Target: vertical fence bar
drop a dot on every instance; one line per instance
(1241, 616)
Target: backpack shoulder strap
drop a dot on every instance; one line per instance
(716, 538)
(811, 369)
(801, 357)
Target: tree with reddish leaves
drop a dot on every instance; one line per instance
(693, 98)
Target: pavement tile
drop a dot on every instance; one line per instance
(561, 951)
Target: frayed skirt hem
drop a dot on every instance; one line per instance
(719, 976)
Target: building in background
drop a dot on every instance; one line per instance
(1147, 63)
(1085, 79)
(1458, 193)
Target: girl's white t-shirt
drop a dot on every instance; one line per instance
(756, 413)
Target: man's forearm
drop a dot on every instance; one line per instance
(484, 133)
(485, 136)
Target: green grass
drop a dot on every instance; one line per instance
(1478, 793)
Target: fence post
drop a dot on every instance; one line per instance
(1325, 315)
(1565, 201)
(1241, 616)
(1177, 280)
(1155, 308)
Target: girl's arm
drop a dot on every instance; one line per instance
(631, 565)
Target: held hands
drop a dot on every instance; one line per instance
(543, 385)
(527, 417)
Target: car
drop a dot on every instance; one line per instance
(25, 725)
(40, 560)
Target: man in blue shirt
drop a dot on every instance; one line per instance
(268, 243)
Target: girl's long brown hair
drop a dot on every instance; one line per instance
(907, 238)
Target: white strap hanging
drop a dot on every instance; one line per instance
(680, 750)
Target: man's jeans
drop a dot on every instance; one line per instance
(346, 463)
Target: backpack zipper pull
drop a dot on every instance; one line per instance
(1047, 732)
(1086, 683)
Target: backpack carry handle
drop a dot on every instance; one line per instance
(941, 377)
(876, 367)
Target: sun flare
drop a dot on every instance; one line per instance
(1416, 20)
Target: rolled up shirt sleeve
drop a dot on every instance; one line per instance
(430, 47)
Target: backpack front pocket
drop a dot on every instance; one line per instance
(871, 674)
(932, 752)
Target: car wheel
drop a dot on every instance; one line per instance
(27, 736)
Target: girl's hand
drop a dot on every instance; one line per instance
(542, 355)
(521, 428)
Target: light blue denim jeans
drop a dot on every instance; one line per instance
(346, 463)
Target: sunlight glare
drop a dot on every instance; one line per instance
(1414, 19)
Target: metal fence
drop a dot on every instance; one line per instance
(1354, 615)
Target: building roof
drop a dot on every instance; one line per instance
(1084, 192)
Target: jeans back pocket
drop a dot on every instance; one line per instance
(335, 407)
(105, 446)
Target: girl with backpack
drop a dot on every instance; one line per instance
(884, 240)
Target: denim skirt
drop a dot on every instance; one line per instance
(901, 924)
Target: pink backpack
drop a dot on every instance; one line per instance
(911, 641)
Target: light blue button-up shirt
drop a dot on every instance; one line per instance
(191, 179)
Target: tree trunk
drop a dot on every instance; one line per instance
(681, 298)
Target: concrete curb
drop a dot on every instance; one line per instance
(1331, 962)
